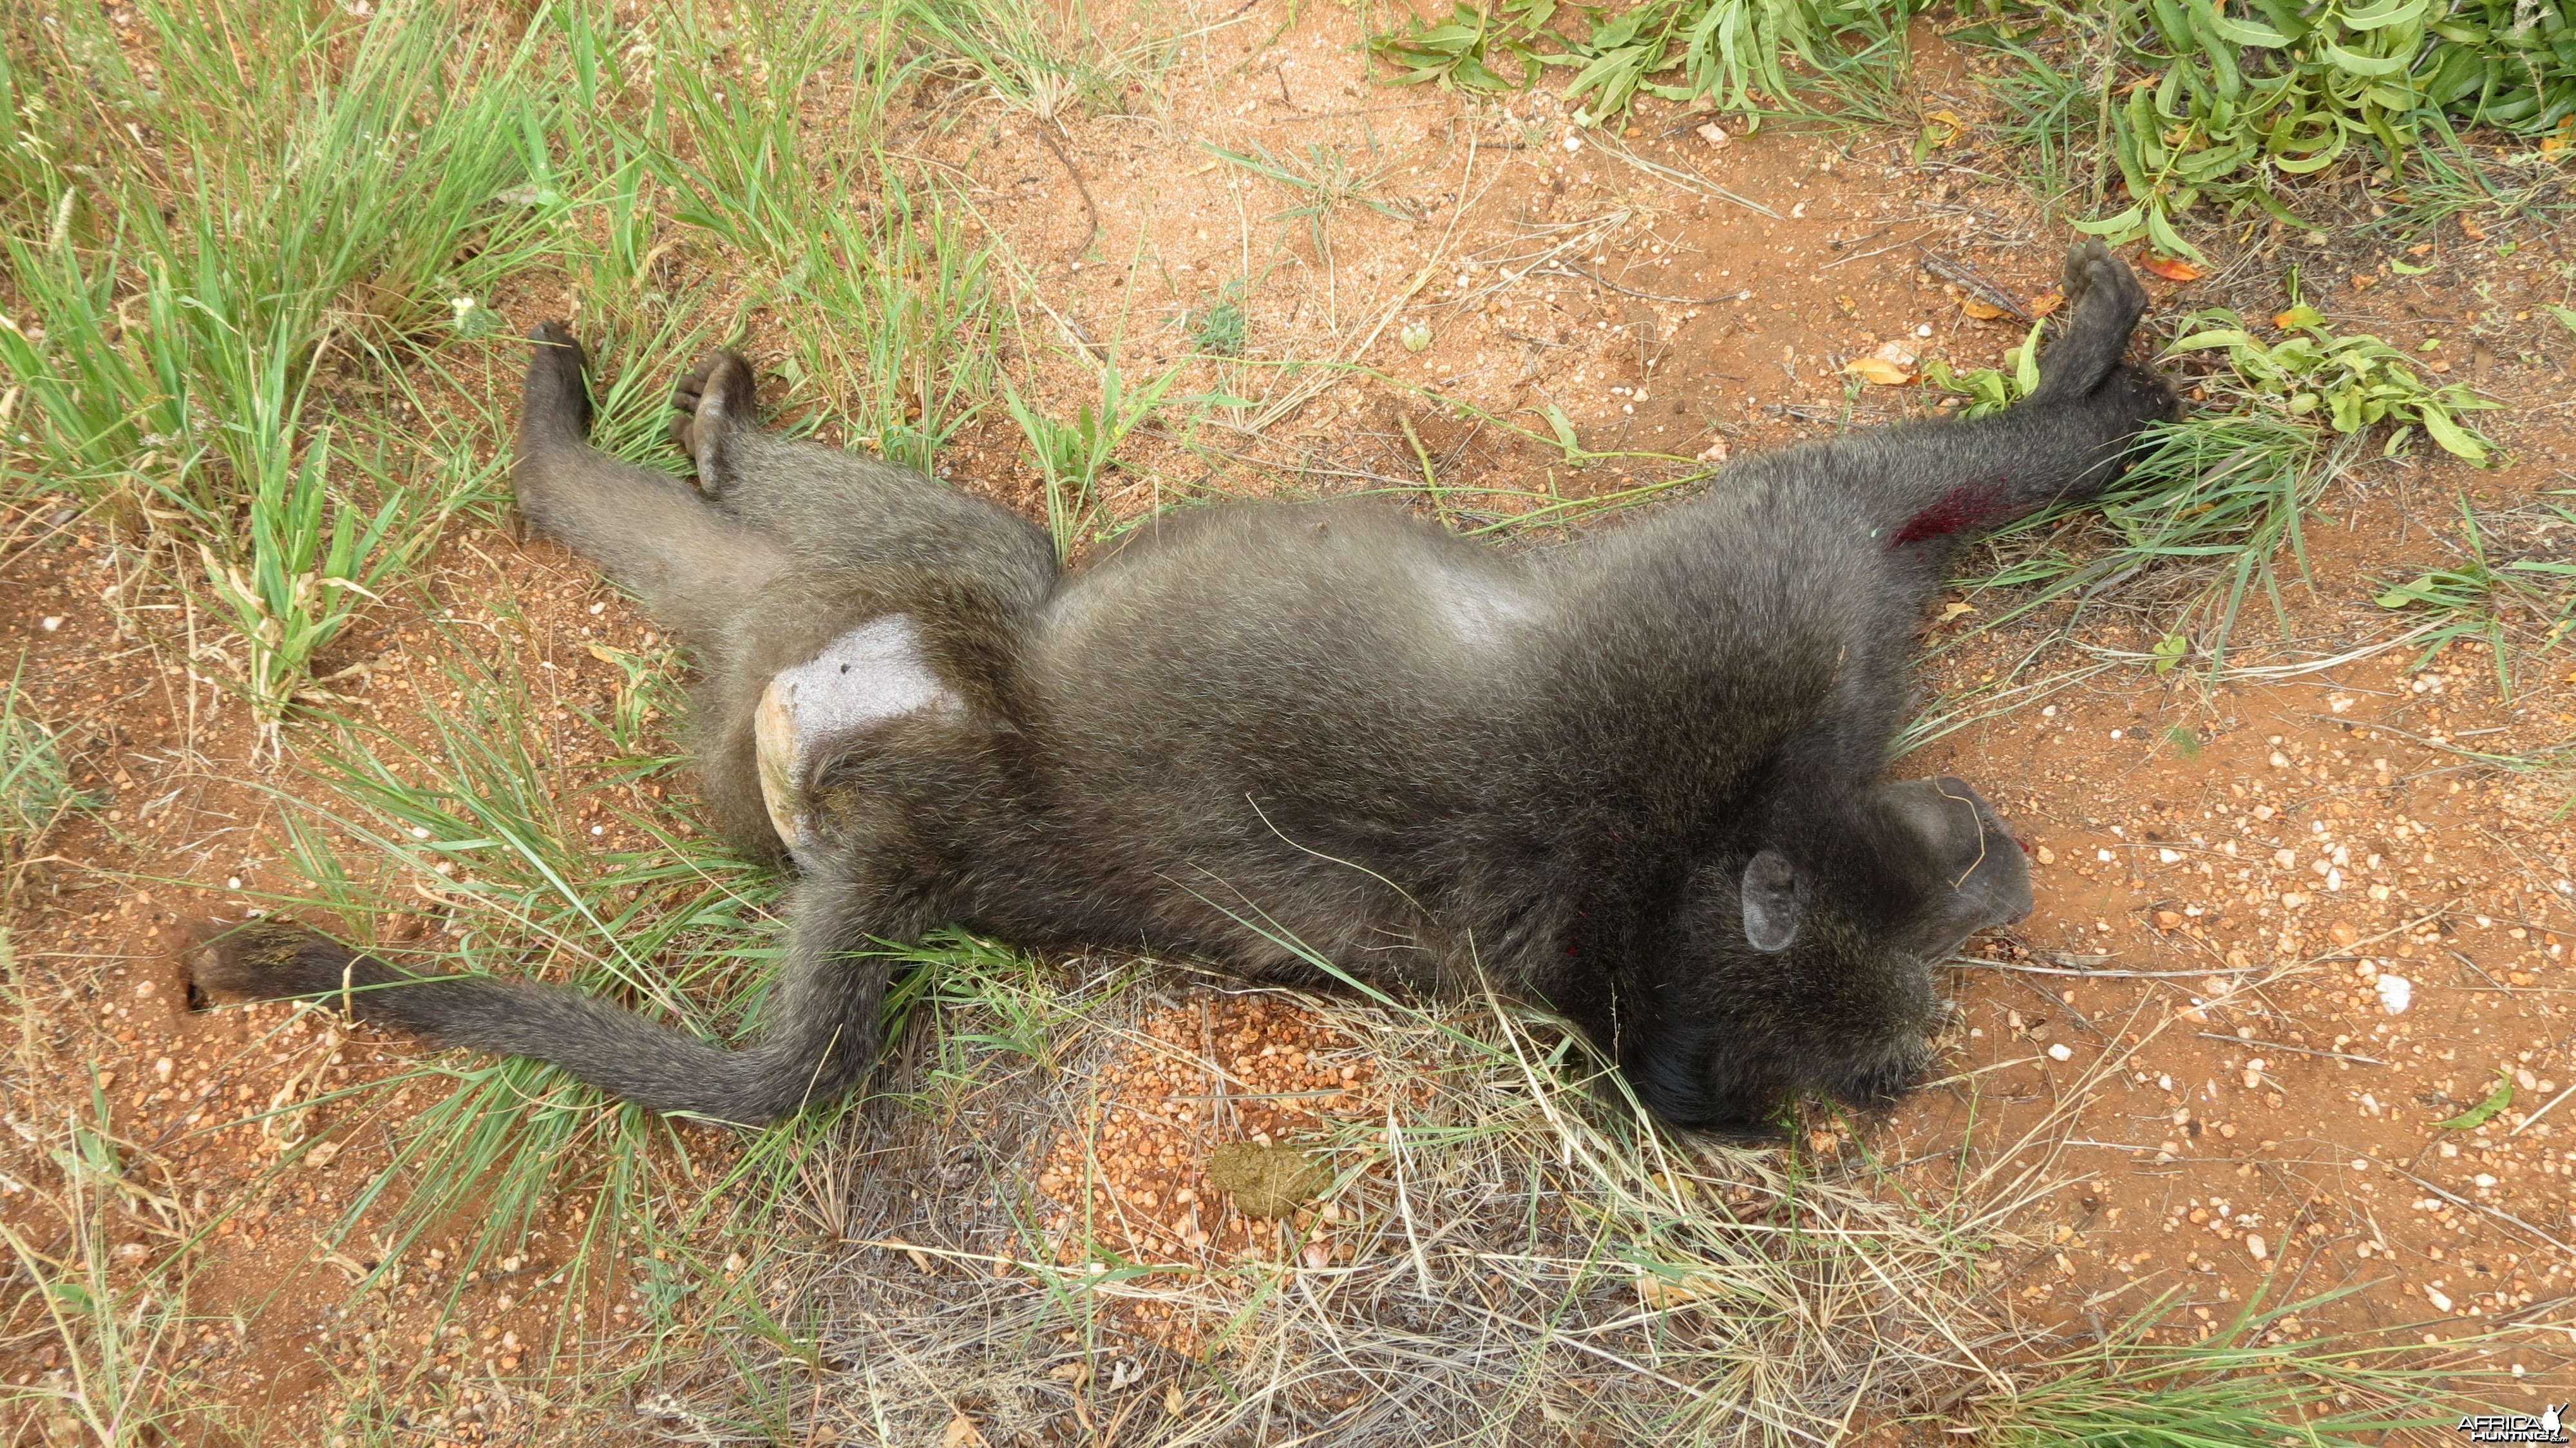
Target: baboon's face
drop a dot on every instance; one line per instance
(1809, 967)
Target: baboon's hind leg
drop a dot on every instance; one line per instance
(838, 510)
(2103, 304)
(693, 565)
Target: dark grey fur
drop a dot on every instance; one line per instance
(1640, 779)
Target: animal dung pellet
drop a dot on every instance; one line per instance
(1267, 1181)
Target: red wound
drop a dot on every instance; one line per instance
(1968, 505)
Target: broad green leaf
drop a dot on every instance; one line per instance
(2485, 1111)
(2242, 32)
(2397, 12)
(2373, 66)
(2122, 222)
(2455, 439)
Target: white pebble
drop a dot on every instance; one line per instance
(50, 622)
(1573, 142)
(2435, 1296)
(2115, 733)
(2255, 1247)
(2169, 856)
(2396, 993)
(2059, 1052)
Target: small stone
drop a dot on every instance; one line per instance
(2396, 993)
(2059, 1052)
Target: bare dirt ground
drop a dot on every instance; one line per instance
(2205, 1016)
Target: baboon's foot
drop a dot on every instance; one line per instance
(2103, 303)
(555, 402)
(714, 397)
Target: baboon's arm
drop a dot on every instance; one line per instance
(821, 1021)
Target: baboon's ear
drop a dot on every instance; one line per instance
(1771, 908)
(1984, 879)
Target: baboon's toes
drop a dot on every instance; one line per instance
(2095, 277)
(264, 960)
(723, 373)
(556, 340)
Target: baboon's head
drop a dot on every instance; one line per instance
(1802, 960)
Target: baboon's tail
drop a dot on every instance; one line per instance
(822, 1017)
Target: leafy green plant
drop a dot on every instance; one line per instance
(173, 324)
(35, 784)
(2354, 381)
(312, 559)
(2227, 489)
(2485, 1111)
(1733, 53)
(1990, 389)
(2471, 598)
(2249, 1381)
(1473, 48)
(2222, 102)
(1218, 329)
(1071, 456)
(120, 1336)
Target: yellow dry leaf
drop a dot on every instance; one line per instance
(961, 1432)
(1982, 311)
(2046, 303)
(1953, 609)
(1951, 119)
(602, 653)
(1662, 1292)
(1878, 370)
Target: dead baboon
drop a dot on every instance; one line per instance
(1641, 779)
